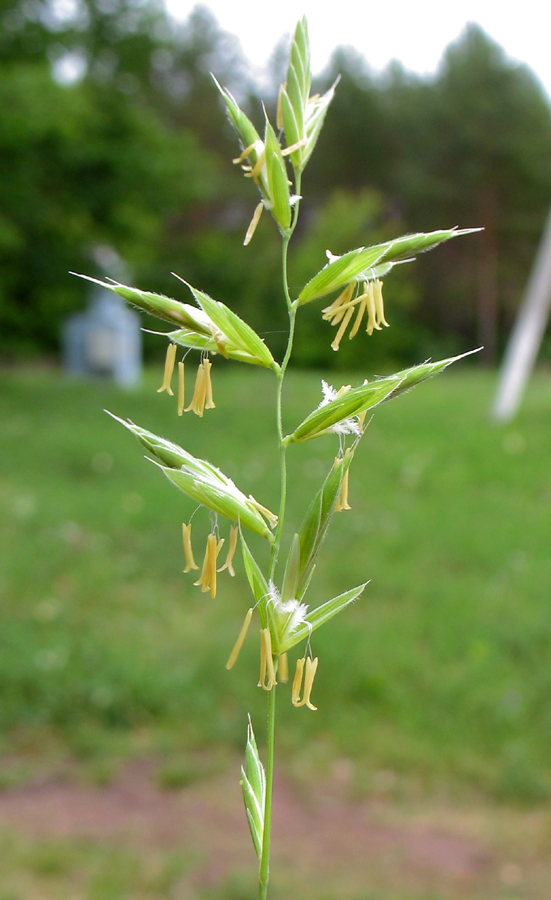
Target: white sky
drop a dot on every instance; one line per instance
(416, 32)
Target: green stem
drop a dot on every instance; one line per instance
(265, 859)
(282, 446)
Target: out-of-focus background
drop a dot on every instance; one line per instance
(425, 773)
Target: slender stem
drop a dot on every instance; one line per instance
(265, 859)
(284, 251)
(280, 376)
(282, 447)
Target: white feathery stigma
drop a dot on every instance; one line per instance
(291, 613)
(346, 426)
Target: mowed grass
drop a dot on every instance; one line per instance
(438, 680)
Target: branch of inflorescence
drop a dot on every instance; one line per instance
(280, 378)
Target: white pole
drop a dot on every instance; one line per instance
(524, 342)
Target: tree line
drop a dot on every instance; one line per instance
(112, 134)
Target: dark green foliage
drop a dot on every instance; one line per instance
(469, 147)
(109, 160)
(85, 168)
(103, 161)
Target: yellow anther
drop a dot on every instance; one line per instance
(180, 388)
(234, 534)
(239, 642)
(309, 675)
(203, 577)
(343, 298)
(297, 683)
(272, 518)
(214, 550)
(186, 534)
(296, 146)
(254, 222)
(348, 302)
(359, 317)
(262, 677)
(212, 544)
(283, 668)
(169, 368)
(371, 310)
(244, 155)
(202, 383)
(342, 328)
(341, 310)
(267, 672)
(340, 313)
(379, 308)
(342, 500)
(207, 578)
(257, 168)
(343, 390)
(207, 366)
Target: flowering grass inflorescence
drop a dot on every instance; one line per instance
(275, 163)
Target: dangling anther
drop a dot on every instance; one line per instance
(358, 320)
(309, 675)
(207, 578)
(241, 637)
(253, 223)
(234, 534)
(169, 368)
(244, 155)
(371, 310)
(379, 308)
(342, 328)
(342, 500)
(311, 666)
(188, 551)
(197, 404)
(180, 387)
(297, 683)
(267, 672)
(343, 298)
(207, 366)
(257, 168)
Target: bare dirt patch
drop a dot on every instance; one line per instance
(326, 834)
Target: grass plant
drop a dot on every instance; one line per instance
(213, 329)
(146, 669)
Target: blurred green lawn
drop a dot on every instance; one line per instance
(440, 673)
